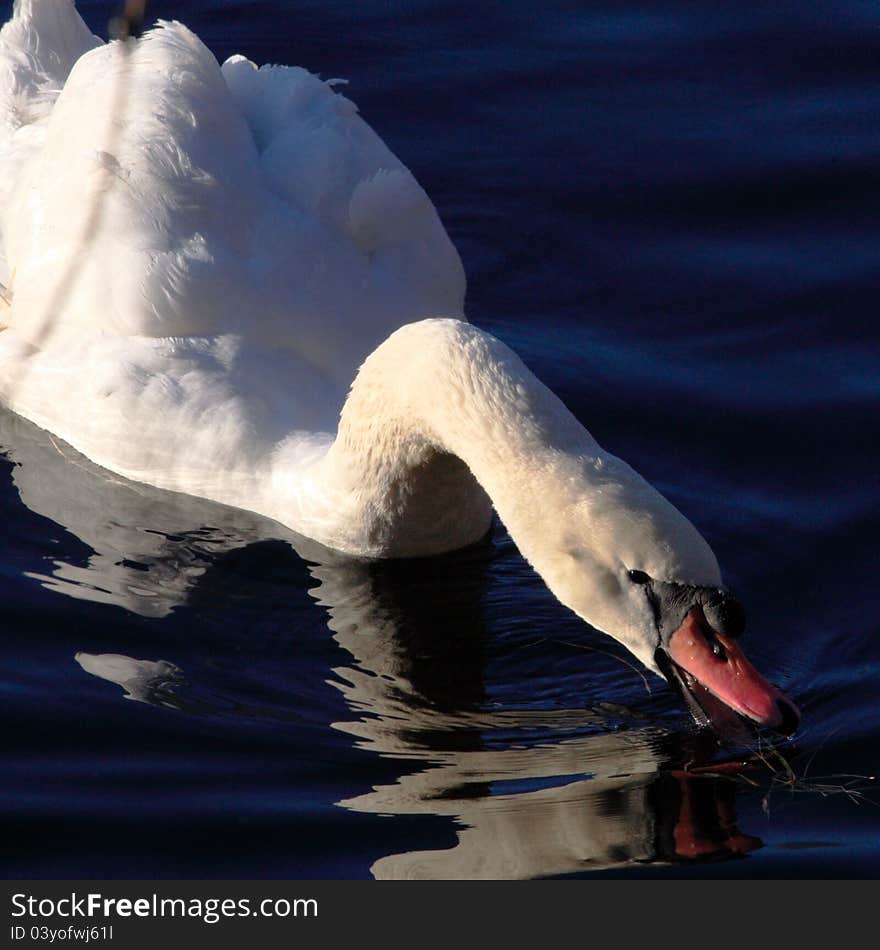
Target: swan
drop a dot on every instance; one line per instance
(218, 280)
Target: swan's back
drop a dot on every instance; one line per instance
(198, 258)
(162, 197)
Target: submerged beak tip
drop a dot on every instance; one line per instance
(789, 716)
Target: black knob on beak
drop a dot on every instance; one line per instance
(724, 613)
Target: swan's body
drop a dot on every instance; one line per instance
(199, 260)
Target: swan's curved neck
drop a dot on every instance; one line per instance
(441, 416)
(444, 422)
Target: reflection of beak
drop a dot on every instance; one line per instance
(696, 818)
(712, 672)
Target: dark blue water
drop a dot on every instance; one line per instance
(671, 211)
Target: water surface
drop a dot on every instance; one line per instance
(670, 211)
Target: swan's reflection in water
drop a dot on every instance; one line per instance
(144, 681)
(532, 792)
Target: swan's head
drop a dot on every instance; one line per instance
(697, 651)
(633, 566)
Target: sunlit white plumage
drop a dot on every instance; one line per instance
(199, 259)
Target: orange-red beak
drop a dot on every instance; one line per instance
(708, 660)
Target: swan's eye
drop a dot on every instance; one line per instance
(638, 577)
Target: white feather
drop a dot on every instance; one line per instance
(203, 259)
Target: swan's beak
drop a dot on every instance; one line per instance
(712, 672)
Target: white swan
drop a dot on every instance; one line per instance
(196, 262)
